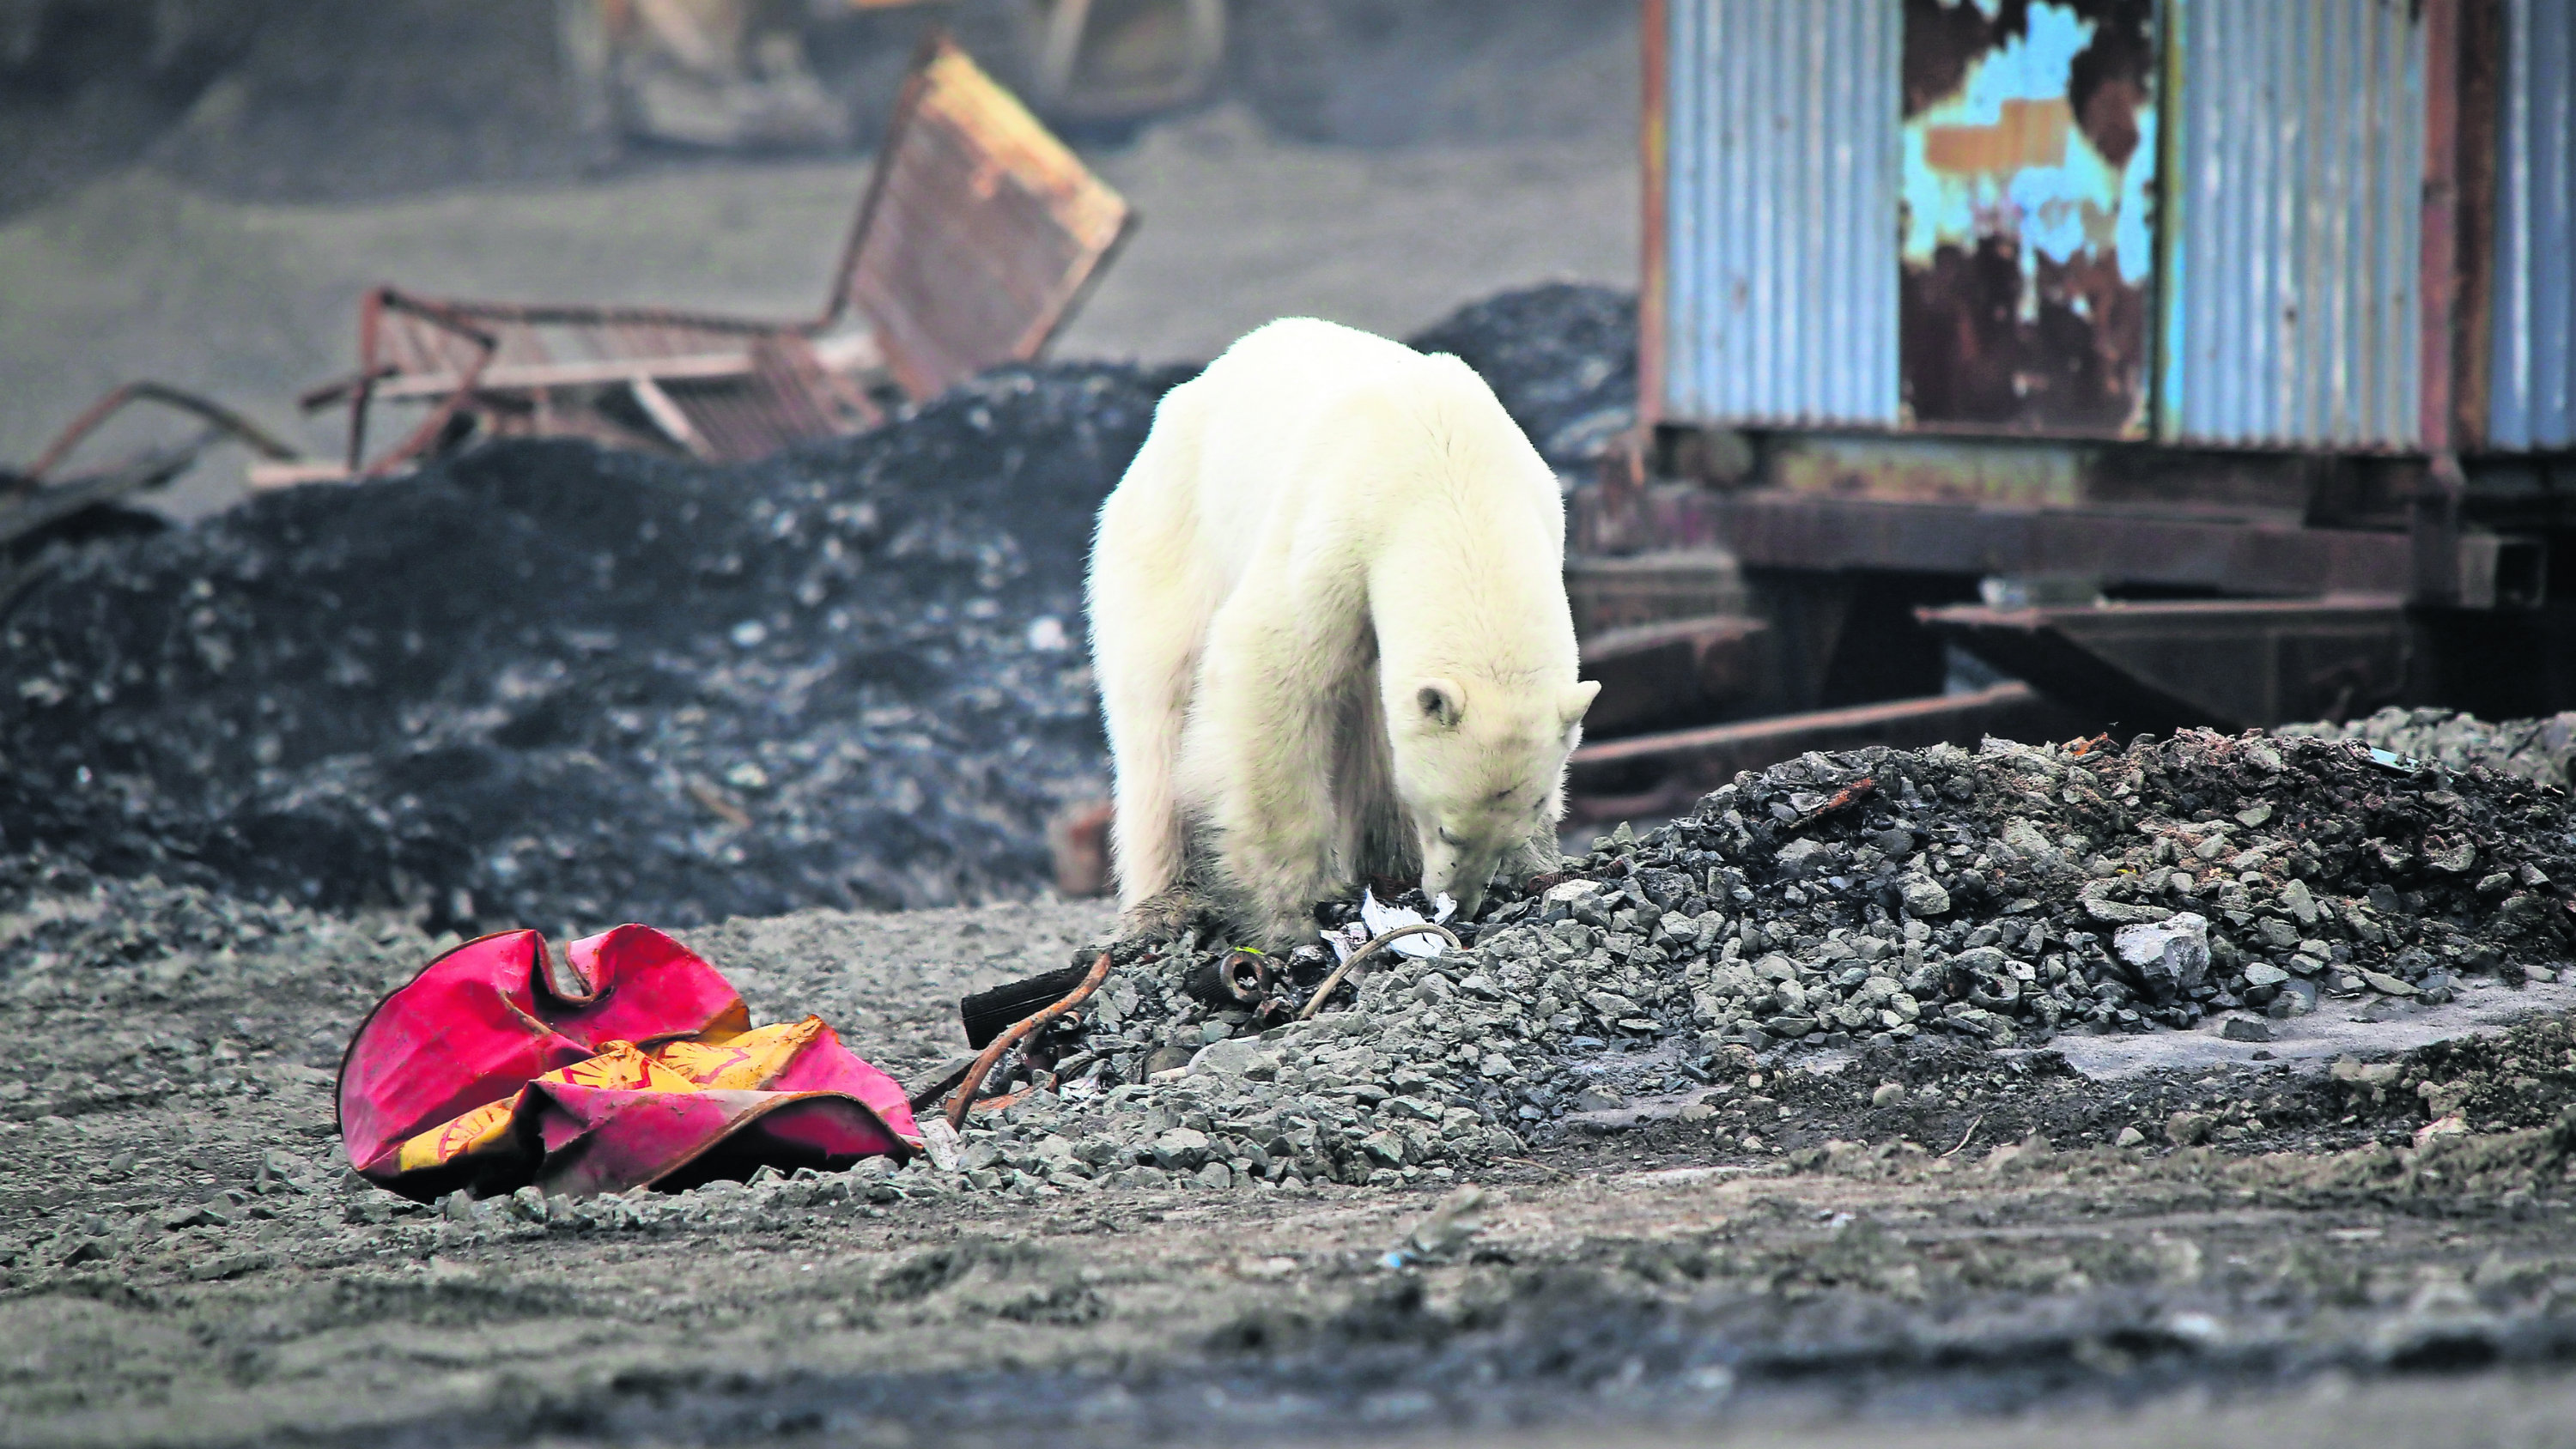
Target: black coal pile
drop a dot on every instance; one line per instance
(2536, 749)
(1561, 356)
(544, 683)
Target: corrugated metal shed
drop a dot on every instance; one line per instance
(2532, 402)
(1780, 212)
(2292, 224)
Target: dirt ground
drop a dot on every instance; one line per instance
(254, 302)
(187, 1261)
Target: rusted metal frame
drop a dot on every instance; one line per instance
(1651, 672)
(371, 368)
(450, 312)
(1696, 761)
(667, 416)
(1769, 530)
(223, 420)
(1654, 163)
(87, 490)
(974, 1079)
(608, 372)
(421, 437)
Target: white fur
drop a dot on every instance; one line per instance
(1330, 630)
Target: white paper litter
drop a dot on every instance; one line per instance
(1382, 918)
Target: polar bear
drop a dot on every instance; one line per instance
(1330, 633)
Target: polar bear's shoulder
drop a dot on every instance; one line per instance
(1316, 367)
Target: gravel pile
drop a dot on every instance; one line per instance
(2535, 749)
(1996, 897)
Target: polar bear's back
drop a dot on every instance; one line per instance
(1301, 407)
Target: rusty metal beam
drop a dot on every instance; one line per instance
(1663, 774)
(1677, 670)
(1771, 529)
(2232, 664)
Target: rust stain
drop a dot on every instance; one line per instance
(2031, 133)
(2027, 236)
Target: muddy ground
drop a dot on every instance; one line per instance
(188, 1261)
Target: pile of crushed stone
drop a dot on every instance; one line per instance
(1996, 897)
(542, 684)
(2535, 749)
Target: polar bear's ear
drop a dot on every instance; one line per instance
(1571, 704)
(1440, 702)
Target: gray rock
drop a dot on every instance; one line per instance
(1924, 896)
(2166, 958)
(1598, 1098)
(1247, 1057)
(2298, 997)
(1181, 1149)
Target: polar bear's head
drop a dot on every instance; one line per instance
(1480, 769)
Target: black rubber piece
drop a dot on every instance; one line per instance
(987, 1014)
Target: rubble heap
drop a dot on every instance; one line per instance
(542, 684)
(2535, 749)
(548, 684)
(1995, 896)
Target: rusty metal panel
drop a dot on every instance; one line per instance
(980, 233)
(1769, 528)
(2030, 154)
(1779, 240)
(2532, 388)
(2293, 223)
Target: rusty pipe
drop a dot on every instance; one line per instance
(965, 1095)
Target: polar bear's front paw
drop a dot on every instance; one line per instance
(1283, 931)
(1168, 914)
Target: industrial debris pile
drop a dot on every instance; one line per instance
(1996, 897)
(544, 684)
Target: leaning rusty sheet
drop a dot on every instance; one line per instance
(2029, 142)
(978, 236)
(982, 234)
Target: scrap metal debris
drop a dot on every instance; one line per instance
(41, 495)
(977, 239)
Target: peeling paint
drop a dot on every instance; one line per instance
(2027, 232)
